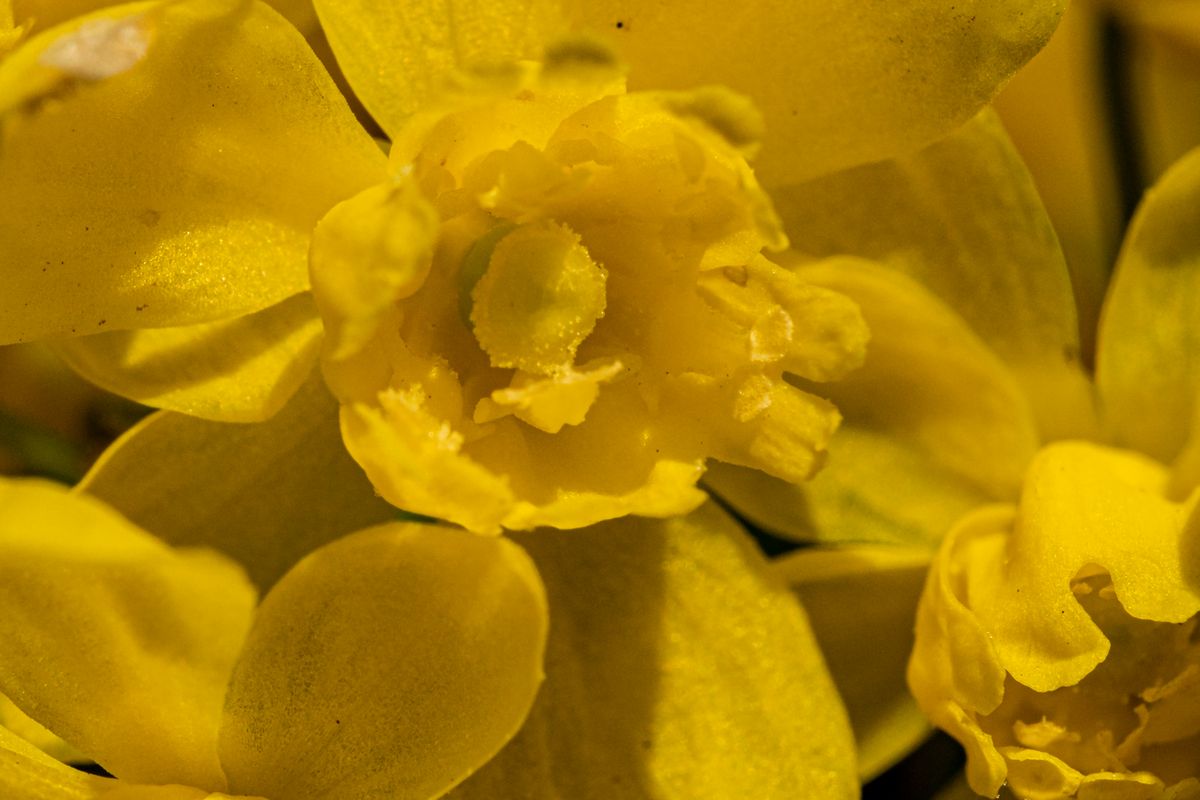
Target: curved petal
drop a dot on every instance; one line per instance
(1146, 369)
(265, 494)
(964, 219)
(202, 140)
(391, 663)
(237, 370)
(26, 774)
(862, 602)
(678, 668)
(18, 722)
(114, 641)
(840, 83)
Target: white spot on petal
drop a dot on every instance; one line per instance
(100, 48)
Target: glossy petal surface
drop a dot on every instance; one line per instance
(391, 663)
(212, 136)
(964, 219)
(862, 602)
(116, 642)
(840, 83)
(237, 370)
(678, 669)
(265, 494)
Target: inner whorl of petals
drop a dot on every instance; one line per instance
(538, 299)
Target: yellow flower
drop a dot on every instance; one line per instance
(395, 661)
(950, 411)
(181, 270)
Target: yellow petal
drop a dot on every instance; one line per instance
(862, 602)
(26, 774)
(264, 494)
(28, 729)
(391, 663)
(1080, 503)
(238, 370)
(840, 83)
(678, 668)
(116, 642)
(215, 141)
(1148, 385)
(963, 218)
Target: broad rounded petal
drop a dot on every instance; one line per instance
(391, 663)
(1148, 387)
(236, 370)
(963, 218)
(678, 668)
(116, 642)
(862, 602)
(840, 83)
(26, 774)
(202, 140)
(265, 494)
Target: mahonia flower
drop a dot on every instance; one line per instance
(395, 661)
(559, 308)
(180, 277)
(1058, 642)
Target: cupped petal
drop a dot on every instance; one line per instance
(862, 603)
(264, 494)
(26, 774)
(236, 370)
(391, 663)
(114, 641)
(163, 164)
(678, 667)
(1146, 367)
(964, 219)
(839, 83)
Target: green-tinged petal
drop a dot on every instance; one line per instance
(840, 83)
(678, 667)
(265, 494)
(1148, 360)
(963, 217)
(17, 721)
(236, 370)
(26, 774)
(391, 663)
(862, 602)
(202, 140)
(934, 426)
(113, 640)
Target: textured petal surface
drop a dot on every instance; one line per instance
(862, 602)
(265, 494)
(203, 140)
(238, 370)
(391, 663)
(1148, 362)
(19, 722)
(840, 83)
(26, 774)
(678, 667)
(115, 641)
(964, 219)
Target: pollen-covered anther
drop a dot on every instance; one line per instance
(550, 403)
(539, 298)
(100, 48)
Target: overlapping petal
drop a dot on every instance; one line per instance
(27, 774)
(391, 663)
(203, 140)
(840, 83)
(677, 668)
(266, 494)
(109, 606)
(235, 370)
